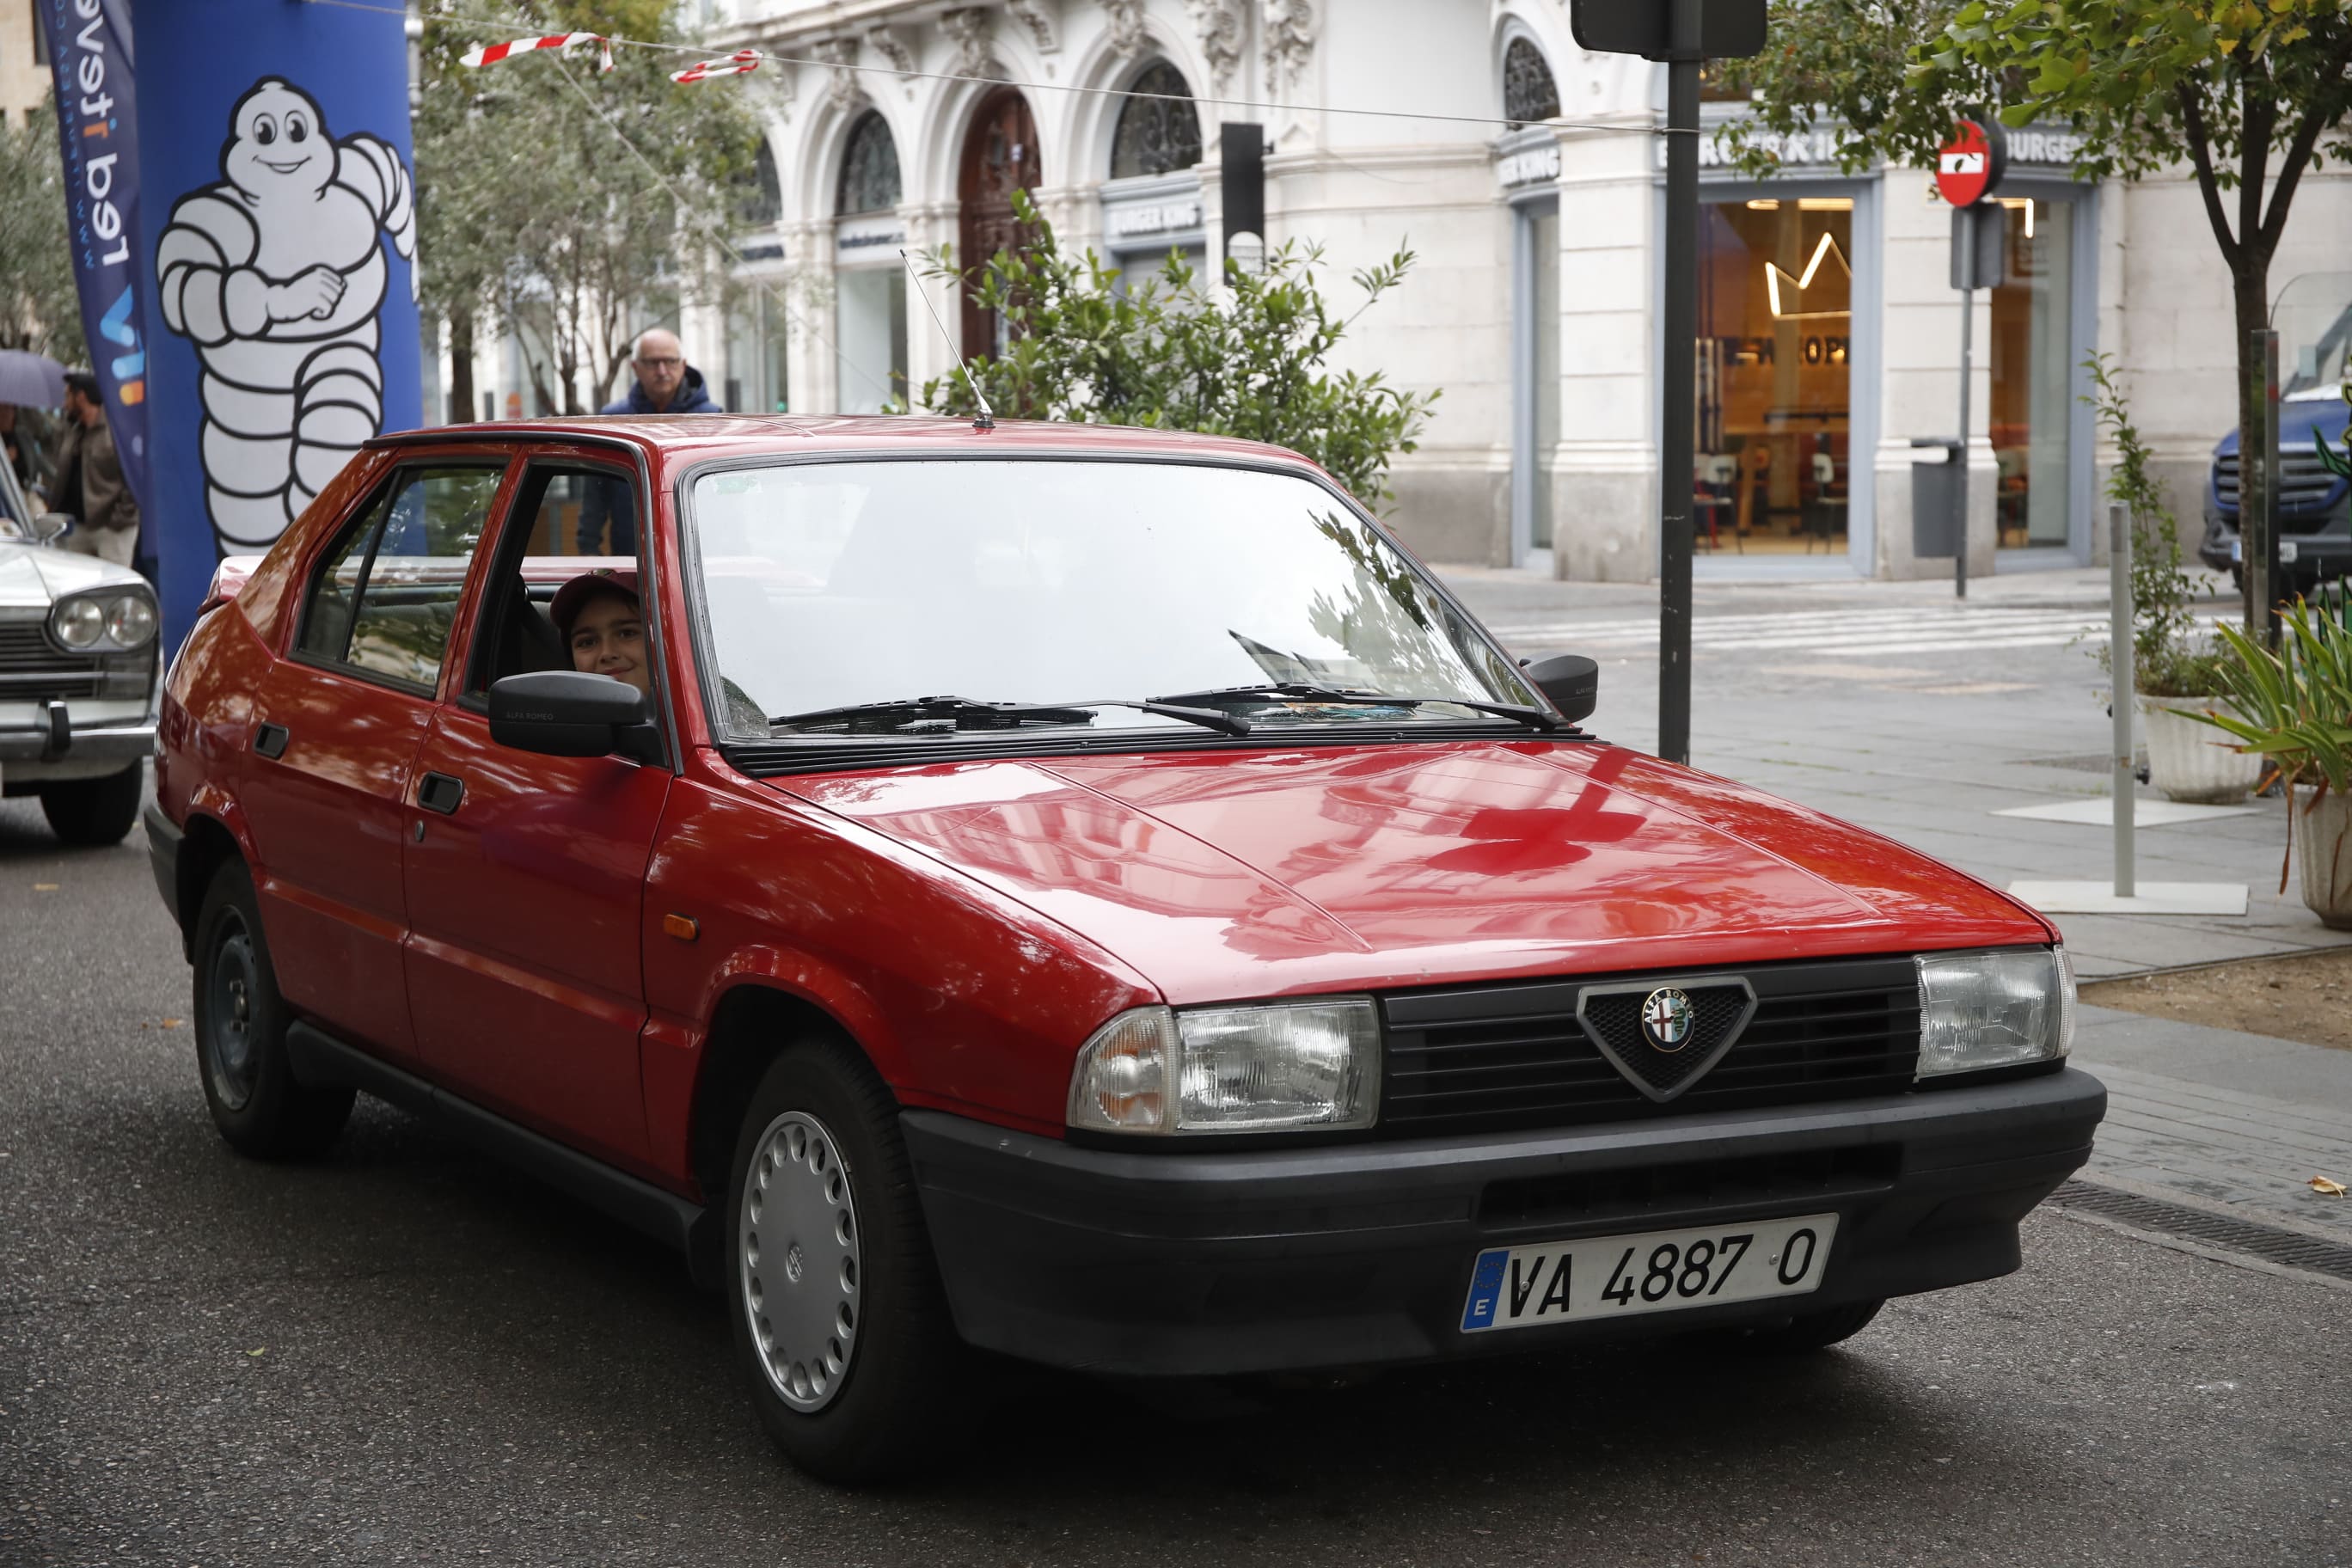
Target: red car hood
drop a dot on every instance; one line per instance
(1221, 876)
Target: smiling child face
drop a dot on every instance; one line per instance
(281, 146)
(608, 637)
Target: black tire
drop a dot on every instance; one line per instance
(893, 1402)
(241, 1021)
(95, 811)
(1809, 1331)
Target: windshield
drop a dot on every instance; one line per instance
(829, 586)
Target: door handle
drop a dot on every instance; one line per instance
(439, 792)
(269, 740)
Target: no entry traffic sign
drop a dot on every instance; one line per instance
(1968, 167)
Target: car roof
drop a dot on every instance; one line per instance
(675, 438)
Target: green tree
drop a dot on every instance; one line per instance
(1166, 353)
(38, 307)
(2249, 94)
(563, 200)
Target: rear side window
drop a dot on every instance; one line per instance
(387, 597)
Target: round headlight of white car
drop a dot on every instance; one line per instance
(77, 622)
(130, 621)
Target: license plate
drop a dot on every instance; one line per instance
(1658, 1271)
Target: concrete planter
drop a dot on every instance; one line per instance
(2323, 853)
(2190, 761)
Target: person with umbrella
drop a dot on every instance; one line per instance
(27, 382)
(89, 482)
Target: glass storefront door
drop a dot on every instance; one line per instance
(1775, 351)
(1536, 438)
(871, 341)
(2035, 353)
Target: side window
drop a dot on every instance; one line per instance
(561, 516)
(388, 596)
(585, 511)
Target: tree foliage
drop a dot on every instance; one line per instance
(38, 307)
(1168, 353)
(562, 200)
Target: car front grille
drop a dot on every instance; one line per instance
(2307, 490)
(31, 667)
(1490, 1058)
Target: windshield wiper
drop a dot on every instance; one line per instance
(1534, 718)
(948, 714)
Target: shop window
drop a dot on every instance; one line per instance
(2032, 364)
(1157, 134)
(869, 169)
(1776, 339)
(1529, 92)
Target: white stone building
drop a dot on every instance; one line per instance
(1829, 330)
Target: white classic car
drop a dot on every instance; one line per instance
(79, 676)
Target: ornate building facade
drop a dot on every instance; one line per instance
(1527, 176)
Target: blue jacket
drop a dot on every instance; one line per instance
(693, 398)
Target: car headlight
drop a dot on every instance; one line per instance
(1980, 1010)
(130, 621)
(78, 624)
(1277, 1066)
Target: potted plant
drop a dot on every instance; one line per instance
(2293, 706)
(2174, 674)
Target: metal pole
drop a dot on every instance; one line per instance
(1969, 217)
(1679, 312)
(2273, 586)
(2119, 664)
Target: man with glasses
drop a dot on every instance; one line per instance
(664, 384)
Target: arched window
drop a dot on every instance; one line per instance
(1157, 135)
(763, 204)
(1529, 92)
(869, 172)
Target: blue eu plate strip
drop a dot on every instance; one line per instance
(1486, 1290)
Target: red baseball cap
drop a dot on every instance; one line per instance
(580, 589)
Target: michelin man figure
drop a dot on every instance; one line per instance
(275, 274)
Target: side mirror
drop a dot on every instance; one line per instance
(566, 713)
(1573, 682)
(49, 527)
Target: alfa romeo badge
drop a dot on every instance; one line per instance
(1666, 1019)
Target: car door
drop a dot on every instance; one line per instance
(525, 874)
(337, 724)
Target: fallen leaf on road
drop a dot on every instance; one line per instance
(2326, 1188)
(263, 1351)
(45, 887)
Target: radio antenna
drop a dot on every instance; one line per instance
(986, 418)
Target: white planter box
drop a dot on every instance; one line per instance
(2190, 761)
(2323, 854)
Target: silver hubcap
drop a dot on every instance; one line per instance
(800, 1260)
(228, 1034)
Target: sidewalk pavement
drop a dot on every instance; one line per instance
(1893, 706)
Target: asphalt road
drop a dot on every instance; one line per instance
(405, 1355)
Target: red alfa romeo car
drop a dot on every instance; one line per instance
(1084, 894)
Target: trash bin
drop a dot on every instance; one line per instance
(1940, 478)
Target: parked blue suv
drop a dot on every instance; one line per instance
(2315, 497)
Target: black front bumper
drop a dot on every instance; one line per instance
(2319, 557)
(1361, 1253)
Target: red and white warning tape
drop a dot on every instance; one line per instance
(743, 62)
(491, 54)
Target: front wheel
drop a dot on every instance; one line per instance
(259, 1106)
(94, 811)
(839, 1322)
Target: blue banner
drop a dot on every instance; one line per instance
(282, 325)
(97, 132)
